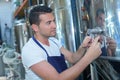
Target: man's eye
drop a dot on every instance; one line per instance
(48, 22)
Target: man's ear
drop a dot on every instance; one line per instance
(35, 27)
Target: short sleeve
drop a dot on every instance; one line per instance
(32, 54)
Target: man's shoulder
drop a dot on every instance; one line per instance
(29, 44)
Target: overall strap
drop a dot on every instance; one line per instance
(39, 45)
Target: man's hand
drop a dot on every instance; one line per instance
(87, 42)
(111, 48)
(94, 50)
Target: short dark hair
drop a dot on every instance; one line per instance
(99, 11)
(36, 11)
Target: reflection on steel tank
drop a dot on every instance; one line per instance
(112, 9)
(112, 17)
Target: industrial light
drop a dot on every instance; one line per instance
(7, 0)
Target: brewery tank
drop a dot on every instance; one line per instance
(21, 34)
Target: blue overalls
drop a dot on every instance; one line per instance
(58, 62)
(104, 52)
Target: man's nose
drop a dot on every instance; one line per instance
(54, 25)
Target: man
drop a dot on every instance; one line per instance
(110, 43)
(44, 57)
(107, 70)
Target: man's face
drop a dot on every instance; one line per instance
(101, 20)
(47, 26)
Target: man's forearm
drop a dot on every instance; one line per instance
(80, 52)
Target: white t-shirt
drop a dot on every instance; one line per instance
(32, 54)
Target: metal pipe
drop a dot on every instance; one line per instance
(20, 8)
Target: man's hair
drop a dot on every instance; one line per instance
(36, 11)
(99, 11)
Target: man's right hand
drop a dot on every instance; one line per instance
(94, 50)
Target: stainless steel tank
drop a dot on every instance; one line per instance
(21, 34)
(110, 64)
(86, 11)
(112, 9)
(64, 22)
